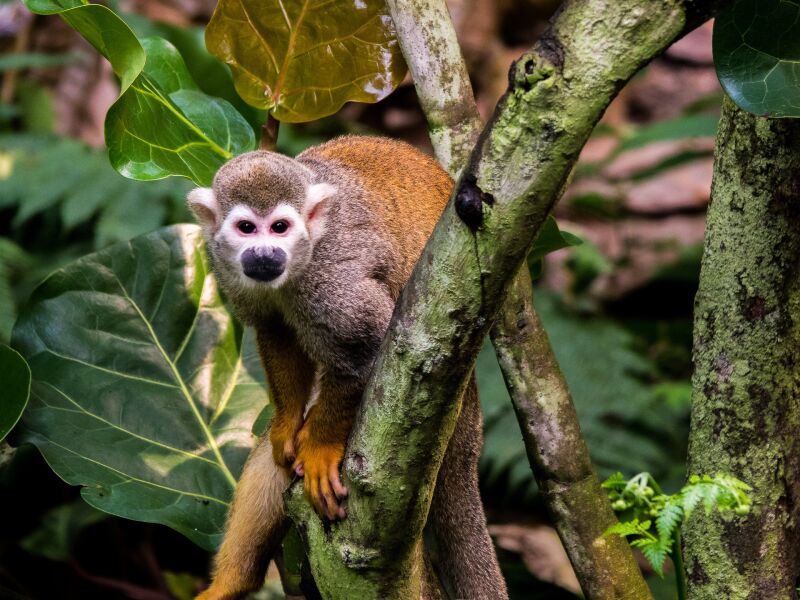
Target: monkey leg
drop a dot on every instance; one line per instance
(321, 444)
(289, 374)
(254, 530)
(467, 557)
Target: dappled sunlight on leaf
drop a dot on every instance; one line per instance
(304, 60)
(141, 392)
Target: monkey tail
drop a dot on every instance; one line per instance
(466, 558)
(256, 526)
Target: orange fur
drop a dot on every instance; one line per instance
(411, 191)
(290, 374)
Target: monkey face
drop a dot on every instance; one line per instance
(257, 246)
(267, 248)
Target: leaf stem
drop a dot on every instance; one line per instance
(269, 133)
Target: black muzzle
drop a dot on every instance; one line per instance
(264, 264)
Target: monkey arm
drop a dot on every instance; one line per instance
(358, 322)
(290, 374)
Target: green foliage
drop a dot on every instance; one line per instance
(35, 60)
(211, 74)
(45, 173)
(164, 125)
(161, 124)
(550, 239)
(16, 378)
(680, 128)
(303, 61)
(144, 389)
(12, 257)
(59, 529)
(626, 425)
(757, 56)
(641, 498)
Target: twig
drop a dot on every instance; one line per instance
(130, 590)
(557, 451)
(21, 41)
(269, 134)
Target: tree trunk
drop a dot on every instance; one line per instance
(557, 93)
(746, 401)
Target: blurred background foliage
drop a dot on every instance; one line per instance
(617, 308)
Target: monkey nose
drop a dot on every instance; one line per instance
(263, 264)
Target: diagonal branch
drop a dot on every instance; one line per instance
(557, 93)
(557, 452)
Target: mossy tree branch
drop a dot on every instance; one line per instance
(746, 385)
(521, 163)
(557, 452)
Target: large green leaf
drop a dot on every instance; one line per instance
(757, 55)
(144, 389)
(303, 60)
(162, 124)
(16, 378)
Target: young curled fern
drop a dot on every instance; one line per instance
(651, 519)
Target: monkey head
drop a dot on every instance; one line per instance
(260, 219)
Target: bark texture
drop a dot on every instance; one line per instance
(558, 453)
(557, 93)
(746, 399)
(556, 449)
(428, 40)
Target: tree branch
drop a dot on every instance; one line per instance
(557, 453)
(557, 93)
(430, 47)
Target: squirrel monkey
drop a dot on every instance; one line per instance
(313, 253)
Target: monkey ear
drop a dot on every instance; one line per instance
(203, 205)
(316, 207)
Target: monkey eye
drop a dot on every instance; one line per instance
(246, 226)
(280, 226)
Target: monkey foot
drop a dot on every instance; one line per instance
(283, 453)
(318, 464)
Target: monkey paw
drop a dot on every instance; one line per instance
(281, 435)
(318, 464)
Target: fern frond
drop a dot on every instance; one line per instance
(632, 527)
(668, 521)
(654, 552)
(691, 496)
(617, 481)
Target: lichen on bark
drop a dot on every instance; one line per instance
(746, 385)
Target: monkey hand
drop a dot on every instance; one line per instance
(282, 432)
(318, 463)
